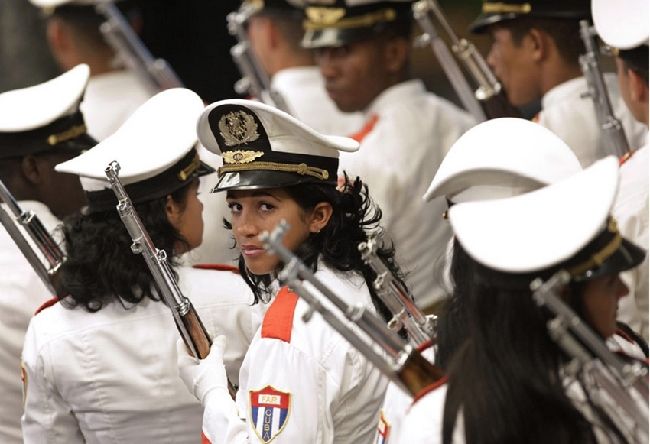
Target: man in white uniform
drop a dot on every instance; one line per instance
(275, 31)
(363, 52)
(535, 50)
(38, 115)
(624, 27)
(74, 37)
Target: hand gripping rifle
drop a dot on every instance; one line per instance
(610, 126)
(187, 320)
(52, 256)
(400, 362)
(489, 93)
(255, 82)
(619, 389)
(156, 74)
(393, 292)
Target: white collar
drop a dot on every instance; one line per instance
(399, 93)
(569, 89)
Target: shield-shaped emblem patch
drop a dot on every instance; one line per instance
(269, 412)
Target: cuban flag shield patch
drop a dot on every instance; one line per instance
(269, 412)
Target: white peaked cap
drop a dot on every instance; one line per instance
(36, 106)
(622, 24)
(501, 158)
(539, 229)
(263, 147)
(156, 136)
(285, 133)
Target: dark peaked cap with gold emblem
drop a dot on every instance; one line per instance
(263, 147)
(45, 117)
(339, 22)
(496, 12)
(155, 147)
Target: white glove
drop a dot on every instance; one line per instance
(202, 376)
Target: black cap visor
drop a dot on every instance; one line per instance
(261, 179)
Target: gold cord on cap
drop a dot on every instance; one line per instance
(186, 172)
(301, 169)
(499, 7)
(68, 134)
(600, 256)
(320, 18)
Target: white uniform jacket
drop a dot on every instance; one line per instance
(109, 100)
(21, 293)
(631, 212)
(304, 92)
(424, 420)
(399, 156)
(571, 115)
(396, 404)
(301, 382)
(111, 376)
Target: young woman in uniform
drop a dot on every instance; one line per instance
(99, 364)
(300, 381)
(509, 381)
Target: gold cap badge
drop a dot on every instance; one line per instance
(241, 156)
(238, 127)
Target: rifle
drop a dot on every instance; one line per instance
(489, 93)
(610, 126)
(52, 255)
(187, 320)
(156, 74)
(399, 361)
(393, 292)
(619, 389)
(255, 82)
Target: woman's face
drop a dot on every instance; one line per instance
(187, 218)
(256, 211)
(600, 301)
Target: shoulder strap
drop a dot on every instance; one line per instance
(278, 320)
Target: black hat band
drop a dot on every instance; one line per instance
(177, 176)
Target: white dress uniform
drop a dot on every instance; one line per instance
(570, 114)
(110, 376)
(109, 101)
(301, 381)
(631, 212)
(304, 92)
(398, 157)
(21, 293)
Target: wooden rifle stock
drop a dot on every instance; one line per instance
(417, 373)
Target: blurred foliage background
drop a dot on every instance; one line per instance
(192, 36)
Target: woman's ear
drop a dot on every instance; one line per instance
(320, 216)
(173, 211)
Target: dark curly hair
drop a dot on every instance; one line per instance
(100, 266)
(354, 216)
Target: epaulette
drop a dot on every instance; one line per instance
(217, 267)
(278, 320)
(46, 304)
(367, 128)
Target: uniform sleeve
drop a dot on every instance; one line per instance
(47, 418)
(283, 401)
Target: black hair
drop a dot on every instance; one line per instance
(289, 24)
(636, 59)
(100, 266)
(565, 33)
(353, 218)
(505, 370)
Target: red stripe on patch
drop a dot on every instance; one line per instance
(367, 128)
(217, 267)
(429, 388)
(278, 320)
(46, 304)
